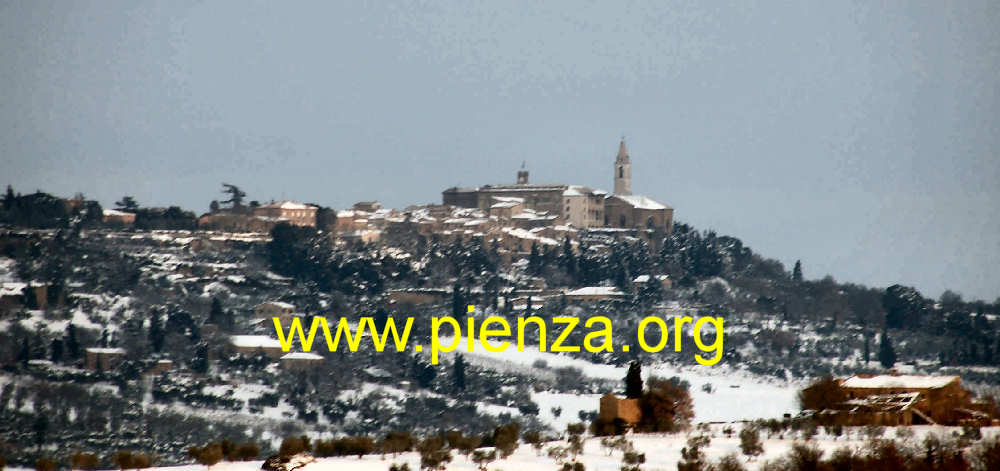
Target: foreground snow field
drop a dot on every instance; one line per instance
(662, 453)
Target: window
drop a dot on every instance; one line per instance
(649, 222)
(621, 221)
(621, 172)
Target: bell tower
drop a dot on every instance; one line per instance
(623, 171)
(522, 175)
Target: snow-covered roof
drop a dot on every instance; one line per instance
(280, 304)
(288, 205)
(12, 288)
(641, 202)
(580, 190)
(254, 341)
(112, 350)
(595, 291)
(645, 278)
(115, 212)
(301, 356)
(899, 381)
(507, 204)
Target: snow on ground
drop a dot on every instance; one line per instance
(737, 395)
(662, 453)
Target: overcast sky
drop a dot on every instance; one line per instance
(860, 138)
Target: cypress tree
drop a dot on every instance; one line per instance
(72, 344)
(633, 381)
(459, 373)
(886, 354)
(797, 271)
(156, 334)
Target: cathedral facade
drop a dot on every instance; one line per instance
(577, 205)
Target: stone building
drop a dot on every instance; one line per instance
(906, 400)
(577, 205)
(297, 214)
(250, 345)
(614, 408)
(267, 310)
(300, 361)
(118, 218)
(637, 212)
(103, 359)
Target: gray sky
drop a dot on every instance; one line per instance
(860, 138)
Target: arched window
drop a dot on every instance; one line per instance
(649, 222)
(621, 221)
(621, 172)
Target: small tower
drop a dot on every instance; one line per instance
(623, 171)
(522, 175)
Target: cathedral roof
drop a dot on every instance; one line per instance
(640, 202)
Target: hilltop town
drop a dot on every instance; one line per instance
(148, 329)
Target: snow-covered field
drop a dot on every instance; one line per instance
(662, 453)
(736, 395)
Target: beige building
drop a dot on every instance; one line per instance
(583, 207)
(577, 205)
(297, 214)
(505, 208)
(637, 212)
(269, 309)
(250, 345)
(593, 294)
(613, 408)
(300, 361)
(104, 359)
(120, 218)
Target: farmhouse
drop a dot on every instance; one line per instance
(253, 344)
(614, 408)
(300, 361)
(104, 359)
(894, 399)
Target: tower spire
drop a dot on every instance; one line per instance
(622, 151)
(623, 171)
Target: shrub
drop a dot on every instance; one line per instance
(207, 455)
(666, 406)
(244, 452)
(505, 438)
(603, 428)
(631, 460)
(483, 458)
(433, 454)
(295, 445)
(824, 393)
(45, 464)
(728, 462)
(82, 461)
(534, 438)
(805, 456)
(985, 455)
(750, 443)
(396, 442)
(130, 460)
(360, 445)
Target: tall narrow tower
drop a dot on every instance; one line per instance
(623, 171)
(522, 175)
